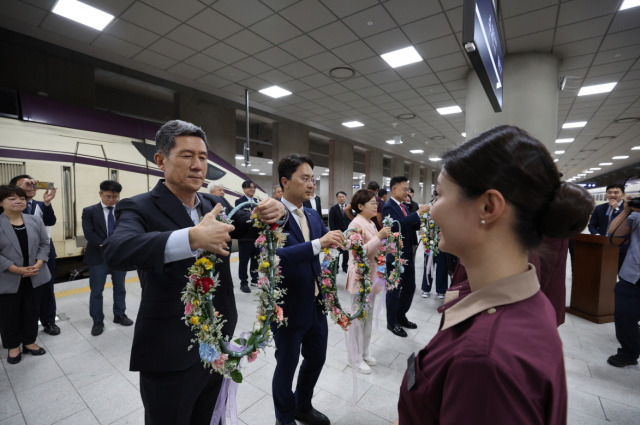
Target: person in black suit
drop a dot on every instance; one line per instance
(44, 210)
(339, 221)
(399, 300)
(314, 201)
(98, 223)
(604, 214)
(160, 233)
(306, 331)
(247, 251)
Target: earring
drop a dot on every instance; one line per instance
(483, 222)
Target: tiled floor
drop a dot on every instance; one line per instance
(85, 380)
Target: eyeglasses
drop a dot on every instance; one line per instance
(111, 198)
(307, 180)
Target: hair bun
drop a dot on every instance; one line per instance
(568, 212)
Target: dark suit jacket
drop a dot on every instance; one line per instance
(95, 231)
(599, 222)
(318, 207)
(300, 268)
(337, 219)
(240, 200)
(145, 222)
(406, 224)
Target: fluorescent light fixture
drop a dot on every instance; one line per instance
(589, 171)
(262, 174)
(270, 162)
(239, 157)
(416, 151)
(255, 169)
(558, 152)
(356, 178)
(582, 175)
(463, 134)
(603, 164)
(275, 92)
(596, 89)
(402, 57)
(595, 168)
(449, 110)
(576, 124)
(394, 141)
(556, 160)
(435, 158)
(635, 148)
(628, 4)
(353, 124)
(564, 140)
(82, 13)
(620, 157)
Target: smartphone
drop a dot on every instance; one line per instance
(44, 185)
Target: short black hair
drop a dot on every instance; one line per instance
(397, 180)
(339, 192)
(615, 186)
(8, 190)
(289, 164)
(382, 192)
(110, 186)
(14, 181)
(373, 185)
(411, 190)
(166, 135)
(361, 197)
(247, 184)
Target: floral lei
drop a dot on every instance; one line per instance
(217, 352)
(429, 234)
(391, 245)
(329, 266)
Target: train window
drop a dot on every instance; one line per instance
(9, 170)
(67, 203)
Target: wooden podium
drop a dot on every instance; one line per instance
(595, 272)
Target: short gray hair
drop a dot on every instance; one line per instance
(166, 135)
(214, 184)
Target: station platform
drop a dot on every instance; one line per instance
(85, 380)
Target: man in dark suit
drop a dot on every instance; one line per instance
(98, 223)
(314, 201)
(160, 233)
(339, 221)
(44, 210)
(247, 251)
(399, 300)
(604, 214)
(306, 331)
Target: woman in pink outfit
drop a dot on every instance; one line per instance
(359, 337)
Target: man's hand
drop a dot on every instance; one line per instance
(333, 237)
(49, 195)
(424, 208)
(210, 234)
(613, 203)
(270, 210)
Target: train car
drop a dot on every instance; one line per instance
(77, 148)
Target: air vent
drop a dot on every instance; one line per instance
(9, 106)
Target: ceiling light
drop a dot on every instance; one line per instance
(406, 116)
(402, 57)
(558, 152)
(556, 160)
(275, 92)
(416, 151)
(255, 169)
(395, 141)
(628, 4)
(270, 162)
(564, 140)
(602, 164)
(342, 72)
(353, 124)
(576, 124)
(635, 148)
(463, 134)
(589, 171)
(435, 158)
(581, 175)
(82, 13)
(239, 157)
(596, 89)
(449, 110)
(356, 178)
(620, 157)
(262, 174)
(595, 168)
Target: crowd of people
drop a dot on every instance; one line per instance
(499, 197)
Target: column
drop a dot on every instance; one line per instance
(397, 167)
(340, 169)
(373, 166)
(288, 137)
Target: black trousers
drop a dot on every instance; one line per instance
(345, 260)
(399, 300)
(626, 318)
(181, 397)
(19, 315)
(247, 251)
(47, 296)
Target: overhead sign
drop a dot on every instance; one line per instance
(482, 42)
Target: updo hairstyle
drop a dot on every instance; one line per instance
(361, 197)
(517, 165)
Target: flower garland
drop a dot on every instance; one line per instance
(353, 243)
(429, 234)
(391, 246)
(217, 352)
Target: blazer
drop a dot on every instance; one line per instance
(11, 253)
(318, 207)
(600, 220)
(371, 245)
(95, 231)
(145, 222)
(407, 224)
(337, 219)
(300, 269)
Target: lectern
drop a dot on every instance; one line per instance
(595, 270)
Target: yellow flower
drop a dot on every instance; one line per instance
(360, 265)
(264, 265)
(204, 262)
(205, 328)
(254, 216)
(361, 289)
(195, 320)
(196, 303)
(325, 250)
(262, 318)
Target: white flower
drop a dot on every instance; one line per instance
(334, 252)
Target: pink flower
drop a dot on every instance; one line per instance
(329, 297)
(188, 308)
(218, 364)
(279, 313)
(263, 281)
(336, 311)
(261, 239)
(252, 356)
(193, 278)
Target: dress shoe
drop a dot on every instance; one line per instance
(40, 351)
(397, 330)
(312, 417)
(405, 323)
(52, 329)
(425, 294)
(245, 289)
(619, 362)
(123, 320)
(97, 328)
(371, 361)
(288, 423)
(14, 360)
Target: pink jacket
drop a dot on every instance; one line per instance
(371, 244)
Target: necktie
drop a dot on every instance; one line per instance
(342, 208)
(29, 208)
(111, 221)
(304, 226)
(404, 210)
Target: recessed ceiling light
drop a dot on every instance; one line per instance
(402, 57)
(416, 151)
(353, 124)
(635, 148)
(435, 158)
(270, 162)
(394, 141)
(576, 124)
(275, 92)
(463, 134)
(564, 140)
(589, 172)
(255, 169)
(596, 89)
(628, 4)
(603, 164)
(556, 160)
(595, 168)
(82, 13)
(620, 157)
(449, 110)
(239, 157)
(558, 152)
(406, 116)
(262, 174)
(581, 175)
